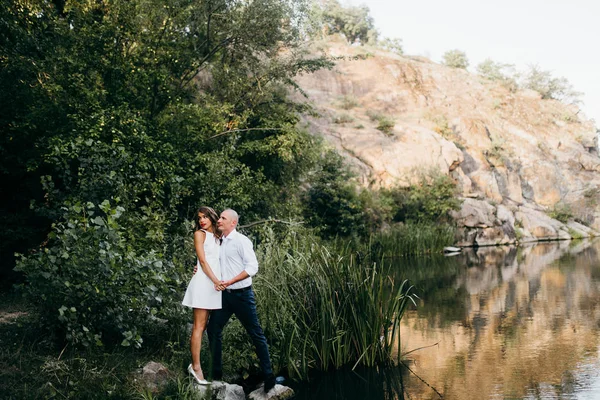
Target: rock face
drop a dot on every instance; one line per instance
(503, 147)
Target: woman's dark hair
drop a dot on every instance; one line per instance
(211, 214)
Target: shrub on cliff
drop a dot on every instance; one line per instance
(498, 72)
(455, 59)
(549, 87)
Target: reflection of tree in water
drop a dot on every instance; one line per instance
(434, 280)
(530, 325)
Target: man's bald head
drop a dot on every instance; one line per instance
(228, 221)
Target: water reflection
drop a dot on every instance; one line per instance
(508, 323)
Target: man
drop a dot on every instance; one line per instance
(238, 266)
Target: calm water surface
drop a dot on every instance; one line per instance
(499, 323)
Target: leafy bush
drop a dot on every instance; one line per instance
(549, 87)
(332, 203)
(455, 59)
(561, 212)
(498, 72)
(430, 200)
(392, 45)
(92, 285)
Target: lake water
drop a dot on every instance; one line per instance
(497, 323)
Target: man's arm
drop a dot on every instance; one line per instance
(248, 260)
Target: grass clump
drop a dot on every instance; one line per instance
(331, 308)
(348, 102)
(343, 118)
(384, 123)
(561, 212)
(575, 234)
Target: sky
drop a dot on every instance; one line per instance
(557, 35)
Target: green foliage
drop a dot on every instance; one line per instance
(443, 127)
(348, 102)
(91, 285)
(575, 234)
(430, 200)
(156, 107)
(498, 72)
(332, 202)
(328, 309)
(455, 59)
(343, 118)
(354, 23)
(549, 87)
(384, 123)
(561, 212)
(392, 45)
(413, 238)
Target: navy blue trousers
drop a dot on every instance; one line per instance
(243, 305)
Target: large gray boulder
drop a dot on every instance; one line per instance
(221, 391)
(279, 392)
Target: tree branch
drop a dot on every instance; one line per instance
(244, 130)
(264, 221)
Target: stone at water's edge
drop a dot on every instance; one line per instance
(221, 391)
(483, 224)
(279, 392)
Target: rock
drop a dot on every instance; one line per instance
(279, 392)
(221, 391)
(475, 213)
(492, 236)
(540, 226)
(580, 230)
(485, 181)
(466, 237)
(154, 375)
(505, 215)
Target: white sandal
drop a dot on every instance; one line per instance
(198, 380)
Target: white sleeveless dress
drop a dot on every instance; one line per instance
(201, 291)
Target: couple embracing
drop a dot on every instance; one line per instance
(222, 286)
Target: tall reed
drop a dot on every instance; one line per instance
(412, 238)
(329, 309)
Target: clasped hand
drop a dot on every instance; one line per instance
(222, 285)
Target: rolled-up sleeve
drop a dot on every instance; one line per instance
(248, 256)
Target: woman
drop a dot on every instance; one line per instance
(201, 294)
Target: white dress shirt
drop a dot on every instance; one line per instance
(237, 255)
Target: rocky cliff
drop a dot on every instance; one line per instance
(516, 158)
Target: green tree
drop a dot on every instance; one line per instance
(354, 23)
(455, 59)
(150, 108)
(332, 203)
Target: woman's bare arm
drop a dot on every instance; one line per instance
(199, 238)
